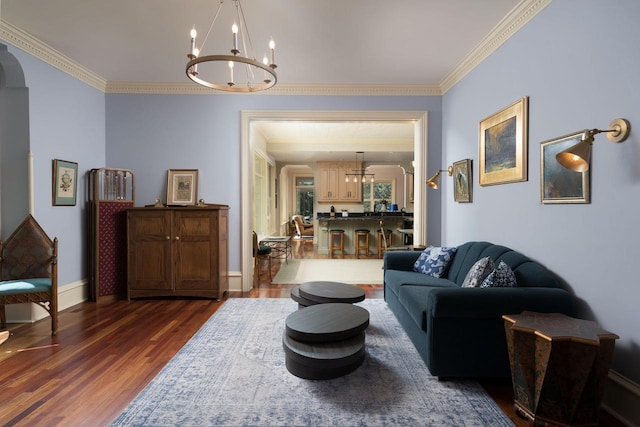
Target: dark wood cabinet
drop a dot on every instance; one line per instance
(181, 251)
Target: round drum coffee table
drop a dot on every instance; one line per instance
(310, 293)
(325, 341)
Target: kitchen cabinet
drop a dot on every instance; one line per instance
(182, 251)
(332, 185)
(328, 182)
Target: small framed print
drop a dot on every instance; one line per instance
(65, 183)
(182, 187)
(503, 145)
(557, 183)
(462, 181)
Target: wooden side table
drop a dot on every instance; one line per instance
(559, 367)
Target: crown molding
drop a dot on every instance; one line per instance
(515, 20)
(189, 88)
(29, 44)
(510, 24)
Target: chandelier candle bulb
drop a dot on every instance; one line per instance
(272, 46)
(231, 73)
(194, 33)
(265, 61)
(234, 30)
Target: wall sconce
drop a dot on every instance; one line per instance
(434, 181)
(577, 157)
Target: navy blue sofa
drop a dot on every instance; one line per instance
(459, 332)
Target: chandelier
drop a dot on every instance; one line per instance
(359, 174)
(234, 72)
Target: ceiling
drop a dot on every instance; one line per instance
(335, 42)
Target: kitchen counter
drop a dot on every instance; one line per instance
(367, 215)
(394, 221)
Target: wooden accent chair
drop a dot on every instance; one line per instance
(29, 270)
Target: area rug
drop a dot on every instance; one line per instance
(353, 271)
(232, 373)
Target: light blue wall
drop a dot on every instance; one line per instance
(66, 119)
(578, 62)
(152, 133)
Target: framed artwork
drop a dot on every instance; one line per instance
(182, 187)
(557, 183)
(503, 145)
(462, 181)
(65, 183)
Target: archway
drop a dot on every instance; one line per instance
(15, 192)
(418, 118)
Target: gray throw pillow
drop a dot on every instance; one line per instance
(478, 272)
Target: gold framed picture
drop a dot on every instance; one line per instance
(462, 181)
(557, 183)
(503, 145)
(65, 183)
(182, 187)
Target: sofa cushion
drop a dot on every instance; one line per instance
(394, 279)
(501, 277)
(478, 272)
(434, 260)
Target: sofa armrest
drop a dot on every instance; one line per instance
(400, 260)
(494, 302)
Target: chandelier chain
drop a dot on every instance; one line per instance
(244, 29)
(206, 37)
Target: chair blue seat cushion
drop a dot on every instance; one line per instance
(9, 287)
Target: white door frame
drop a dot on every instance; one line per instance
(418, 118)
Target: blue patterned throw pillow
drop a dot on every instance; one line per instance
(501, 277)
(434, 260)
(478, 272)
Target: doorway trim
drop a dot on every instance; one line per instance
(418, 118)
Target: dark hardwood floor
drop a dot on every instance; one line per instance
(105, 354)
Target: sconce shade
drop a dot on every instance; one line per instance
(577, 158)
(434, 181)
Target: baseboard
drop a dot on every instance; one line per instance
(622, 399)
(235, 281)
(72, 294)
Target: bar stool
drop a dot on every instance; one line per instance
(359, 247)
(381, 243)
(336, 235)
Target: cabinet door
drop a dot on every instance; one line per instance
(196, 251)
(350, 191)
(223, 252)
(328, 190)
(149, 252)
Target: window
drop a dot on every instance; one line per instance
(382, 190)
(304, 195)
